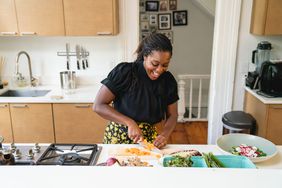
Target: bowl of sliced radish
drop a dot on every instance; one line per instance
(256, 148)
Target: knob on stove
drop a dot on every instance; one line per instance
(36, 148)
(13, 147)
(17, 154)
(30, 154)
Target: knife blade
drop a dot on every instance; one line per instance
(148, 146)
(77, 50)
(68, 55)
(83, 57)
(86, 58)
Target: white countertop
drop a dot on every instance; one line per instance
(91, 176)
(265, 100)
(82, 94)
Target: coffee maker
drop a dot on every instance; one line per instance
(259, 55)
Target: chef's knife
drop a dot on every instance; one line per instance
(149, 147)
(86, 58)
(68, 55)
(83, 57)
(78, 55)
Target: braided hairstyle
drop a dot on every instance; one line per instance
(153, 42)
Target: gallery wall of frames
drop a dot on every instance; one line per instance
(160, 16)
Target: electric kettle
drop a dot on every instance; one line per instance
(261, 54)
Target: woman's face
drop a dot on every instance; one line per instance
(156, 63)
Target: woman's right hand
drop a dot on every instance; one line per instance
(134, 132)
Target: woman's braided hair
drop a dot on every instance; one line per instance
(153, 42)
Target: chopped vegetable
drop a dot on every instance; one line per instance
(212, 161)
(178, 161)
(248, 151)
(111, 161)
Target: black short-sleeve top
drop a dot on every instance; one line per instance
(139, 97)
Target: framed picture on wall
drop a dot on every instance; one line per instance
(163, 5)
(144, 17)
(172, 4)
(142, 6)
(152, 5)
(153, 19)
(180, 17)
(164, 21)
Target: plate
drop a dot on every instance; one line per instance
(226, 142)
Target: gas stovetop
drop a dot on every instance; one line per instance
(51, 154)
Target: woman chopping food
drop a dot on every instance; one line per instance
(144, 93)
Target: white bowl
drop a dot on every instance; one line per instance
(226, 142)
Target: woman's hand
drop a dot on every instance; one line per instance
(160, 141)
(134, 132)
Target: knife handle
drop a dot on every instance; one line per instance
(78, 67)
(83, 64)
(86, 62)
(68, 65)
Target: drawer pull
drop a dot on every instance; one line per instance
(82, 105)
(104, 33)
(3, 106)
(8, 33)
(28, 33)
(20, 106)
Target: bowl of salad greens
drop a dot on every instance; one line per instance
(256, 148)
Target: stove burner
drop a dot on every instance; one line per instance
(69, 154)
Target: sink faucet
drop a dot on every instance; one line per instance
(33, 81)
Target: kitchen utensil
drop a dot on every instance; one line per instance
(149, 147)
(68, 81)
(68, 57)
(83, 57)
(86, 58)
(78, 56)
(226, 142)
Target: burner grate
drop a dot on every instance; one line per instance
(69, 154)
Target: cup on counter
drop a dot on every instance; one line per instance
(68, 82)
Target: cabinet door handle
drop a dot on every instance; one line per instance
(8, 33)
(82, 105)
(20, 106)
(28, 33)
(104, 33)
(3, 105)
(276, 107)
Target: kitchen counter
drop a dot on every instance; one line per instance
(268, 174)
(265, 100)
(82, 94)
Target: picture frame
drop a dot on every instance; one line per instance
(164, 5)
(144, 26)
(142, 6)
(164, 21)
(172, 4)
(144, 17)
(168, 34)
(180, 17)
(152, 6)
(153, 19)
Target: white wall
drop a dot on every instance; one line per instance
(192, 43)
(247, 43)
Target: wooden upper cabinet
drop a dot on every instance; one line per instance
(40, 17)
(91, 17)
(266, 17)
(8, 18)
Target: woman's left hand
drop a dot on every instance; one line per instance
(160, 141)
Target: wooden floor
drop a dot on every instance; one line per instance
(190, 133)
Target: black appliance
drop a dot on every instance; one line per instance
(270, 79)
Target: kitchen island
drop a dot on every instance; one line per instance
(268, 174)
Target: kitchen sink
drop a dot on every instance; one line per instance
(24, 93)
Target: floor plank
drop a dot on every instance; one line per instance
(190, 133)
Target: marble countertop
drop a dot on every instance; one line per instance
(82, 94)
(265, 100)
